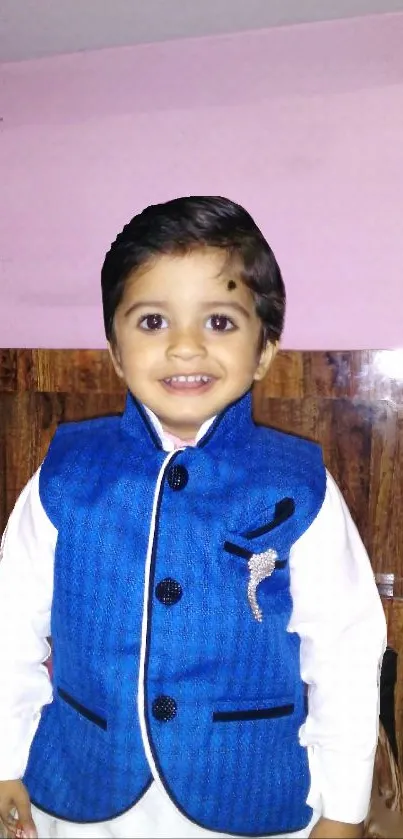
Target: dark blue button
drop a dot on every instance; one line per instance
(164, 708)
(177, 477)
(168, 591)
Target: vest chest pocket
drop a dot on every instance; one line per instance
(271, 529)
(81, 709)
(264, 547)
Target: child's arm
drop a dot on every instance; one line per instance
(339, 616)
(26, 588)
(15, 810)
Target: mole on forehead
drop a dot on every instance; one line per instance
(231, 285)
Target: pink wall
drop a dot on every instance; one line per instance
(304, 125)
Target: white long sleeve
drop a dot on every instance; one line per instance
(26, 588)
(339, 616)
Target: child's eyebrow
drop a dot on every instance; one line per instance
(227, 304)
(148, 304)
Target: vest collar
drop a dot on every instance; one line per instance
(167, 440)
(228, 427)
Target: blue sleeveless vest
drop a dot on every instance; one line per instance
(169, 623)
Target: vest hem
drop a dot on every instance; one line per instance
(106, 818)
(259, 835)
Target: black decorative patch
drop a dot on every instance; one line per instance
(253, 714)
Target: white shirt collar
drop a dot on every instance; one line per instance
(167, 444)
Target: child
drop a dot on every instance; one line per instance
(216, 630)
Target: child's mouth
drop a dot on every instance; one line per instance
(194, 381)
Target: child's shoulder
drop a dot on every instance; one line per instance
(81, 441)
(292, 460)
(89, 427)
(77, 454)
(288, 444)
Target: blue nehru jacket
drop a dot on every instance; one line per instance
(169, 623)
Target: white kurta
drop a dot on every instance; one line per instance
(336, 612)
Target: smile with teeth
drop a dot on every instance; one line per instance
(190, 379)
(197, 382)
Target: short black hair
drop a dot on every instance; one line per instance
(193, 222)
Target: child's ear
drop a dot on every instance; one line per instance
(266, 357)
(115, 356)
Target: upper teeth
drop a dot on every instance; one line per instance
(188, 379)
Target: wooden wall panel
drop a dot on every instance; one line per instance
(57, 371)
(347, 402)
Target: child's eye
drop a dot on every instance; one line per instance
(220, 323)
(152, 322)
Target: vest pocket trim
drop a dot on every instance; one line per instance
(283, 511)
(237, 550)
(253, 714)
(81, 709)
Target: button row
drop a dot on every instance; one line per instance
(169, 592)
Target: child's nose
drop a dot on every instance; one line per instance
(186, 343)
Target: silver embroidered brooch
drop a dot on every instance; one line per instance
(260, 566)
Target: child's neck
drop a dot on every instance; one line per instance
(181, 436)
(179, 441)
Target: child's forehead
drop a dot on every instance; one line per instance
(207, 258)
(202, 267)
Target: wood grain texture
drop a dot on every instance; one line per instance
(347, 401)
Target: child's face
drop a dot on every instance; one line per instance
(186, 340)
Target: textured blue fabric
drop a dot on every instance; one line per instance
(241, 771)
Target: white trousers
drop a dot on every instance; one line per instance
(153, 817)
